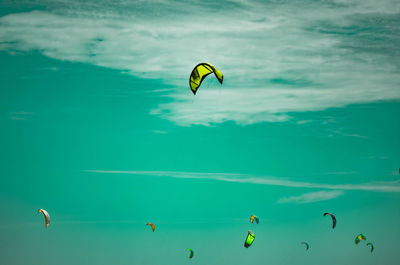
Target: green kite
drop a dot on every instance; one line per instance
(359, 238)
(249, 239)
(191, 253)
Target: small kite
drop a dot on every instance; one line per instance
(359, 238)
(253, 218)
(249, 239)
(200, 72)
(191, 253)
(372, 246)
(152, 226)
(333, 219)
(307, 245)
(46, 217)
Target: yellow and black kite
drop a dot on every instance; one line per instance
(200, 72)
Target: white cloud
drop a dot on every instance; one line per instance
(160, 132)
(312, 197)
(304, 121)
(20, 115)
(247, 106)
(341, 173)
(275, 61)
(389, 186)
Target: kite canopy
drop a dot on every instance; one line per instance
(372, 246)
(249, 239)
(200, 72)
(333, 219)
(191, 253)
(152, 226)
(253, 218)
(46, 217)
(307, 246)
(359, 238)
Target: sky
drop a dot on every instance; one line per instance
(99, 127)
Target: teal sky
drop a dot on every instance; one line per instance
(99, 127)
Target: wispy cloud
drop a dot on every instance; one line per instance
(340, 132)
(303, 121)
(261, 180)
(378, 157)
(275, 61)
(341, 173)
(160, 132)
(20, 115)
(312, 197)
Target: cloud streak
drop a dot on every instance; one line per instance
(20, 115)
(261, 180)
(312, 197)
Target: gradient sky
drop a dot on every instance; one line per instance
(99, 127)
